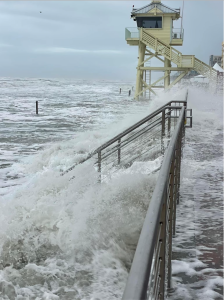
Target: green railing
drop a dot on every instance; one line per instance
(131, 33)
(177, 33)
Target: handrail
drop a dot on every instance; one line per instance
(136, 125)
(126, 132)
(179, 32)
(171, 53)
(162, 42)
(151, 267)
(206, 66)
(137, 284)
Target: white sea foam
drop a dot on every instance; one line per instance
(75, 239)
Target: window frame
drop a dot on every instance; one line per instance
(150, 17)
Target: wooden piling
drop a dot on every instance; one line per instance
(36, 107)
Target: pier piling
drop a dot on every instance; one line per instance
(36, 107)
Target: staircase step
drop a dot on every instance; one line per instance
(182, 61)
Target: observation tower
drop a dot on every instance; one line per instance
(155, 36)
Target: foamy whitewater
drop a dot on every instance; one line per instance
(75, 239)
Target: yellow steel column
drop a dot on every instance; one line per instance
(167, 64)
(141, 55)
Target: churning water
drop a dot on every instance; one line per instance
(75, 239)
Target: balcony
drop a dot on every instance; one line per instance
(132, 36)
(177, 37)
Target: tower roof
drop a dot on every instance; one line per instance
(145, 9)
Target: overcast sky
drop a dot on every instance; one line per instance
(85, 39)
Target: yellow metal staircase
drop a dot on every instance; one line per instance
(182, 61)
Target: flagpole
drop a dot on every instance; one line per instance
(182, 17)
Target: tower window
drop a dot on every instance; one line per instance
(149, 22)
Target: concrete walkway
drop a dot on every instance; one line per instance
(197, 264)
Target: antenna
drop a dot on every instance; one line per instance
(182, 17)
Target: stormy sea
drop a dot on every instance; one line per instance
(69, 237)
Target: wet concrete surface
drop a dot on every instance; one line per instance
(197, 259)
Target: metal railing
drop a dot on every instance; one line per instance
(131, 33)
(144, 140)
(177, 33)
(162, 131)
(185, 61)
(160, 46)
(150, 274)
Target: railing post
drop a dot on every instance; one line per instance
(178, 168)
(180, 144)
(185, 120)
(119, 151)
(177, 175)
(163, 122)
(163, 131)
(183, 127)
(169, 121)
(175, 189)
(162, 254)
(171, 203)
(99, 166)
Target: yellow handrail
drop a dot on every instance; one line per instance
(176, 56)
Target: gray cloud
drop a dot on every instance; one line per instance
(85, 39)
(2, 45)
(72, 50)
